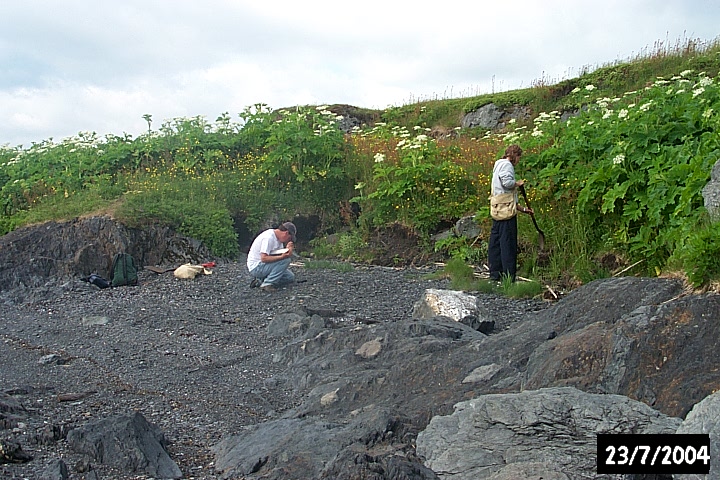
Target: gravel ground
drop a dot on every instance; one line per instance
(191, 355)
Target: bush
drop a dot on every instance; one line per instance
(187, 205)
(701, 254)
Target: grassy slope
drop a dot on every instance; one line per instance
(611, 80)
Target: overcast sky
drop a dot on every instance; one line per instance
(87, 65)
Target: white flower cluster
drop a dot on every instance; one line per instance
(705, 81)
(380, 128)
(412, 143)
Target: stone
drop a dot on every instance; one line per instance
(554, 429)
(370, 349)
(94, 320)
(488, 116)
(125, 441)
(705, 418)
(711, 193)
(467, 227)
(52, 359)
(482, 374)
(56, 470)
(445, 303)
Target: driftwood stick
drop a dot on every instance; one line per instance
(628, 268)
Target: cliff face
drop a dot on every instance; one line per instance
(59, 251)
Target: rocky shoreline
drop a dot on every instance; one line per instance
(193, 356)
(336, 376)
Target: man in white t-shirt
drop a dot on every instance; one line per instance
(268, 267)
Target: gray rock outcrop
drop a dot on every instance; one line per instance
(31, 257)
(705, 418)
(654, 345)
(492, 117)
(488, 116)
(549, 432)
(711, 193)
(128, 442)
(467, 227)
(368, 390)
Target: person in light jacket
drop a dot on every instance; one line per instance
(502, 247)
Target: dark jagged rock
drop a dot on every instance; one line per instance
(30, 257)
(57, 470)
(552, 430)
(420, 368)
(649, 345)
(128, 442)
(12, 452)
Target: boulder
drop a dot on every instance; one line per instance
(705, 418)
(467, 227)
(488, 116)
(128, 442)
(31, 256)
(458, 306)
(711, 193)
(306, 447)
(659, 352)
(492, 117)
(549, 432)
(56, 470)
(452, 304)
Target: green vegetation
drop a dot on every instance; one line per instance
(623, 176)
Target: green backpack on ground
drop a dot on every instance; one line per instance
(123, 271)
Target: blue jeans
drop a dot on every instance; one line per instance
(275, 273)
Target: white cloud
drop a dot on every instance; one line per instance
(79, 65)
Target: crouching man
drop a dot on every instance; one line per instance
(267, 266)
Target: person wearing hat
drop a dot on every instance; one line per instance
(268, 268)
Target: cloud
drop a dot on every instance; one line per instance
(79, 65)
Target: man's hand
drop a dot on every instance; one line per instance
(291, 249)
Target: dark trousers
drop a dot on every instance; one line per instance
(502, 248)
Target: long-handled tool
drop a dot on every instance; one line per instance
(541, 235)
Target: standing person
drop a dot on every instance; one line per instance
(502, 248)
(271, 270)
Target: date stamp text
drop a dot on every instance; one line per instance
(653, 453)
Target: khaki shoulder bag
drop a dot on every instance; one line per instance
(503, 206)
